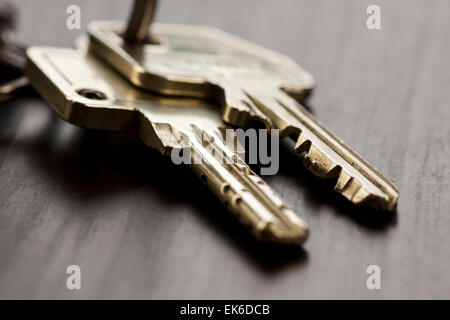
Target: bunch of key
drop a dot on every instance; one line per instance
(177, 84)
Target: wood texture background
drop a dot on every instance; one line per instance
(140, 227)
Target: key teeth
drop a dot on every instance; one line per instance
(168, 138)
(352, 189)
(243, 112)
(320, 165)
(302, 144)
(311, 159)
(242, 118)
(343, 181)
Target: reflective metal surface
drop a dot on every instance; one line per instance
(86, 92)
(250, 83)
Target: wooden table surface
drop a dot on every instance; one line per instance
(141, 227)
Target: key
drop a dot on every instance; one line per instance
(250, 83)
(88, 93)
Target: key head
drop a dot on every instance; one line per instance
(202, 62)
(85, 92)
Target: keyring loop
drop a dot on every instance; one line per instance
(140, 20)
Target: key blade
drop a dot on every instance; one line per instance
(254, 203)
(327, 156)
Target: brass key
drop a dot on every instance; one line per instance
(250, 83)
(88, 93)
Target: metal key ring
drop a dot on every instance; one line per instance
(139, 22)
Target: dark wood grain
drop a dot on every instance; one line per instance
(140, 227)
